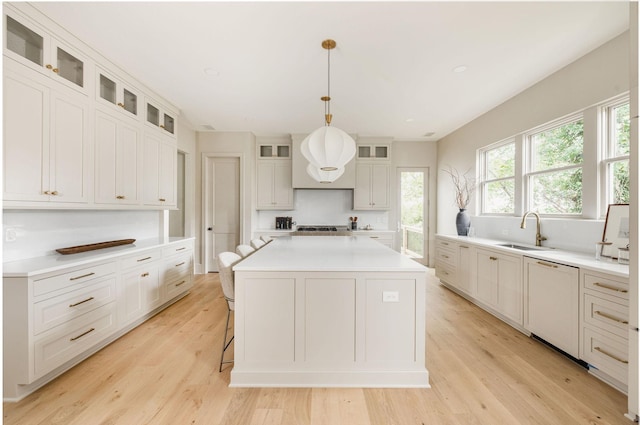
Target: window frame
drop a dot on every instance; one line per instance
(606, 150)
(483, 179)
(528, 174)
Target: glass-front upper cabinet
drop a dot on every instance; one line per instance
(113, 91)
(35, 48)
(160, 118)
(272, 151)
(373, 151)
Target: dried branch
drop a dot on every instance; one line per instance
(464, 186)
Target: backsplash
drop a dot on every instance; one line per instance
(41, 232)
(323, 206)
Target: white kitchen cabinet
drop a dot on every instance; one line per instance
(499, 283)
(374, 152)
(114, 93)
(160, 117)
(464, 269)
(56, 313)
(117, 146)
(158, 171)
(551, 306)
(46, 140)
(604, 326)
(32, 46)
(447, 261)
(274, 151)
(386, 238)
(372, 187)
(274, 190)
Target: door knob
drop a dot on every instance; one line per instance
(209, 228)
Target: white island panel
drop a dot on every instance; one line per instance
(329, 312)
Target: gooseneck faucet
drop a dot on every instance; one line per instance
(523, 225)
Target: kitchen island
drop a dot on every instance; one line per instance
(330, 311)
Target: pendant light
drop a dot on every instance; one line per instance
(328, 149)
(324, 176)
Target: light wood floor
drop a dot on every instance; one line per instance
(166, 372)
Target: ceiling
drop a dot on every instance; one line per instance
(391, 73)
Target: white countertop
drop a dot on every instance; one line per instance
(52, 263)
(327, 253)
(570, 258)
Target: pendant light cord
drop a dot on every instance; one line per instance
(328, 104)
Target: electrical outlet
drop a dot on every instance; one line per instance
(390, 296)
(10, 235)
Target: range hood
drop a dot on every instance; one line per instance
(301, 180)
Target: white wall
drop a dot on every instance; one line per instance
(41, 232)
(597, 76)
(186, 145)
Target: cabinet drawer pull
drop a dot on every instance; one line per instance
(46, 192)
(80, 302)
(610, 317)
(183, 282)
(611, 355)
(542, 263)
(82, 334)
(144, 259)
(612, 288)
(80, 277)
(493, 258)
(49, 66)
(373, 237)
(119, 197)
(445, 256)
(444, 243)
(144, 274)
(178, 265)
(162, 199)
(181, 249)
(56, 70)
(463, 246)
(121, 105)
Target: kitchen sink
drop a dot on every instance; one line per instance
(523, 247)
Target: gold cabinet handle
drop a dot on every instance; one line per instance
(600, 350)
(610, 317)
(162, 199)
(46, 192)
(374, 237)
(178, 265)
(55, 193)
(161, 126)
(119, 197)
(464, 246)
(56, 70)
(444, 243)
(542, 263)
(445, 256)
(144, 274)
(81, 302)
(82, 334)
(181, 283)
(181, 249)
(121, 105)
(80, 277)
(611, 288)
(143, 259)
(493, 258)
(49, 66)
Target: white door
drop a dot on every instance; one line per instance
(222, 207)
(413, 221)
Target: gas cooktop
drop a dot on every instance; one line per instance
(322, 229)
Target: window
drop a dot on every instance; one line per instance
(616, 152)
(497, 179)
(554, 175)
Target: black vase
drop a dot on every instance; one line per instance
(463, 222)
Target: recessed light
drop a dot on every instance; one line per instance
(409, 120)
(208, 127)
(459, 69)
(429, 134)
(212, 71)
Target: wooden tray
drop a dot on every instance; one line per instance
(91, 247)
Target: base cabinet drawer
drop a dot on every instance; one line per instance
(607, 352)
(446, 273)
(606, 315)
(72, 338)
(69, 280)
(606, 285)
(57, 310)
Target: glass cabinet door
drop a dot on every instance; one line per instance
(24, 42)
(130, 102)
(168, 123)
(69, 67)
(108, 89)
(153, 115)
